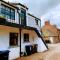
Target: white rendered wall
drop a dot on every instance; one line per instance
(33, 39)
(31, 36)
(32, 23)
(4, 42)
(41, 46)
(14, 53)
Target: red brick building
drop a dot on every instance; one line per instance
(50, 33)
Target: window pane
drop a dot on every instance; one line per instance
(13, 39)
(7, 16)
(26, 37)
(8, 9)
(2, 6)
(3, 9)
(23, 17)
(7, 12)
(12, 14)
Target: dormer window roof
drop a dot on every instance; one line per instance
(20, 5)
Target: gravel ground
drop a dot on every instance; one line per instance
(52, 54)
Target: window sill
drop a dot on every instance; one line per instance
(27, 42)
(13, 46)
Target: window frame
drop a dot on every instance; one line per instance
(26, 37)
(9, 12)
(23, 18)
(12, 37)
(12, 14)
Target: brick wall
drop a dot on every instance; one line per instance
(50, 32)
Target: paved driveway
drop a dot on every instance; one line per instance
(52, 54)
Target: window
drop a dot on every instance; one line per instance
(12, 14)
(3, 11)
(26, 37)
(23, 17)
(7, 12)
(13, 39)
(36, 21)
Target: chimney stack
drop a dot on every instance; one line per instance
(47, 22)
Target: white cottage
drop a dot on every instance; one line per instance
(19, 30)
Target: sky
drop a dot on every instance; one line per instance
(43, 9)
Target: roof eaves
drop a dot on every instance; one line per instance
(21, 5)
(33, 16)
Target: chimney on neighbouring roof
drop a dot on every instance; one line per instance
(47, 22)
